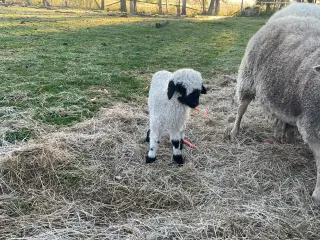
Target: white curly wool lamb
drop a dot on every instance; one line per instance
(281, 68)
(171, 97)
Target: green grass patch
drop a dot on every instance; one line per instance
(59, 61)
(19, 135)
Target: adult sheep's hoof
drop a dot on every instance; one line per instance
(230, 134)
(150, 159)
(178, 159)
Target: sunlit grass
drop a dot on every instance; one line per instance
(55, 62)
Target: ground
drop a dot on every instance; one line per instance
(87, 179)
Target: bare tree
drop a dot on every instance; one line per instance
(45, 3)
(184, 7)
(28, 2)
(160, 7)
(123, 6)
(204, 10)
(211, 7)
(178, 8)
(268, 8)
(133, 6)
(217, 8)
(102, 5)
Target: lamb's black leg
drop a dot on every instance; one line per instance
(153, 138)
(177, 146)
(181, 144)
(148, 136)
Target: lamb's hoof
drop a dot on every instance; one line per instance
(150, 159)
(178, 159)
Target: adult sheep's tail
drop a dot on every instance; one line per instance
(245, 82)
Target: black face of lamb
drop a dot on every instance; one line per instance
(191, 100)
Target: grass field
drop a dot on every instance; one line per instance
(52, 62)
(73, 121)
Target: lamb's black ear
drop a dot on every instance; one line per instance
(171, 89)
(203, 90)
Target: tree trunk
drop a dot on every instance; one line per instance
(184, 7)
(211, 7)
(123, 6)
(160, 7)
(241, 8)
(102, 5)
(28, 2)
(166, 6)
(268, 8)
(133, 6)
(217, 8)
(45, 3)
(178, 8)
(282, 4)
(203, 7)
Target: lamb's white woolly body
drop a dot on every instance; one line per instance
(165, 114)
(281, 69)
(168, 114)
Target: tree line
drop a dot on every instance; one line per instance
(180, 5)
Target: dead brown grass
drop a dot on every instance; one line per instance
(90, 181)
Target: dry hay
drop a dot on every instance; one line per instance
(90, 181)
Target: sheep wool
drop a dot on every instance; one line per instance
(281, 69)
(171, 97)
(299, 10)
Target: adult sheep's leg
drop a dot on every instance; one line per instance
(241, 110)
(289, 133)
(177, 144)
(315, 147)
(154, 137)
(284, 132)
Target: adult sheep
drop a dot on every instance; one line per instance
(171, 97)
(298, 10)
(281, 69)
(284, 131)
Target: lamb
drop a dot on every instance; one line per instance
(281, 69)
(171, 97)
